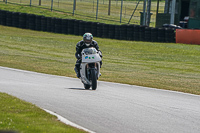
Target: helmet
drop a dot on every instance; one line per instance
(87, 38)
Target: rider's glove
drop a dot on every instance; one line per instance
(100, 54)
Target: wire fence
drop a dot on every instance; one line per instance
(121, 12)
(79, 27)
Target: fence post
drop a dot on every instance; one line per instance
(39, 2)
(166, 6)
(93, 5)
(97, 9)
(30, 2)
(109, 7)
(121, 11)
(173, 12)
(144, 12)
(148, 12)
(51, 5)
(74, 7)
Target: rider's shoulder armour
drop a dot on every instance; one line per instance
(80, 43)
(94, 42)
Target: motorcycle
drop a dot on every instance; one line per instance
(90, 67)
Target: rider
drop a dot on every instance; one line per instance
(87, 42)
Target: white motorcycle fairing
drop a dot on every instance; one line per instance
(90, 67)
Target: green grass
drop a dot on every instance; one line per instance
(23, 117)
(160, 65)
(84, 10)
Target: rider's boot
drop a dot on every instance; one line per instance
(77, 72)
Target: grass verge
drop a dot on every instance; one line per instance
(19, 116)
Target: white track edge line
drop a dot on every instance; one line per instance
(64, 120)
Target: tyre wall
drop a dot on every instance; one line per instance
(79, 27)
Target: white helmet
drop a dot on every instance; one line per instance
(87, 38)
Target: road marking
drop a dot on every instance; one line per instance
(64, 120)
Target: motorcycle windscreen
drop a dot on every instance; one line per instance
(88, 51)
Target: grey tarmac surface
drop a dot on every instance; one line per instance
(112, 108)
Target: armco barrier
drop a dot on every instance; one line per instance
(15, 18)
(169, 35)
(136, 33)
(99, 29)
(154, 35)
(71, 26)
(130, 32)
(49, 24)
(147, 34)
(38, 20)
(22, 20)
(161, 35)
(53, 24)
(94, 29)
(105, 31)
(3, 17)
(111, 31)
(9, 18)
(58, 25)
(31, 21)
(188, 36)
(44, 23)
(123, 32)
(76, 27)
(88, 27)
(79, 27)
(142, 33)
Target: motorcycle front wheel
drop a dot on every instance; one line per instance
(94, 79)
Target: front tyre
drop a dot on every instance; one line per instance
(94, 79)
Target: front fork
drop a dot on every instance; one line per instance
(89, 68)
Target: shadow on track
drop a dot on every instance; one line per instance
(76, 88)
(79, 89)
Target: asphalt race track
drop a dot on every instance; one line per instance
(112, 108)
